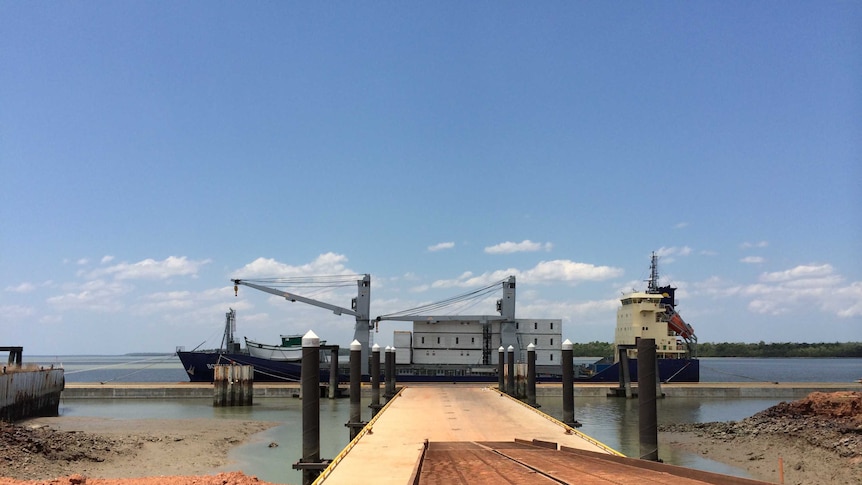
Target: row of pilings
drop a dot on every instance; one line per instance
(311, 464)
(522, 385)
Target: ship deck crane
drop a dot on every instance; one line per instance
(359, 308)
(505, 308)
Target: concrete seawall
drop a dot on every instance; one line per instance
(30, 392)
(185, 390)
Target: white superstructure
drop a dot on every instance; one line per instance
(642, 315)
(652, 314)
(461, 342)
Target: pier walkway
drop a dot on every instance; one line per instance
(445, 434)
(389, 451)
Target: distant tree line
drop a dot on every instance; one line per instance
(780, 349)
(738, 349)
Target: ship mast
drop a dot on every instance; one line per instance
(652, 282)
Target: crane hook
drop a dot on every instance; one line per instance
(235, 290)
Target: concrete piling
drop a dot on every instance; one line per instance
(15, 355)
(333, 372)
(355, 423)
(310, 463)
(501, 374)
(233, 385)
(390, 372)
(647, 409)
(568, 385)
(510, 381)
(375, 380)
(531, 375)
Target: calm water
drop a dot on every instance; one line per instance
(167, 368)
(611, 421)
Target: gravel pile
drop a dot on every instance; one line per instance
(831, 421)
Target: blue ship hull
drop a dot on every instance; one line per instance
(199, 367)
(669, 370)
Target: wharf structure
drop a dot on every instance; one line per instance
(478, 435)
(27, 390)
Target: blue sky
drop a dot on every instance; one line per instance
(151, 151)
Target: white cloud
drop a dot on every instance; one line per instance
(51, 319)
(107, 259)
(83, 261)
(759, 244)
(469, 280)
(569, 271)
(188, 302)
(802, 271)
(788, 291)
(664, 252)
(752, 260)
(560, 270)
(152, 269)
(521, 247)
(15, 312)
(97, 295)
(441, 246)
(325, 264)
(681, 225)
(667, 255)
(22, 288)
(847, 301)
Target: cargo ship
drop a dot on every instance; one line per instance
(650, 314)
(464, 348)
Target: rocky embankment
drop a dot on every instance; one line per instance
(817, 438)
(830, 421)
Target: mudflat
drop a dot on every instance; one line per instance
(84, 449)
